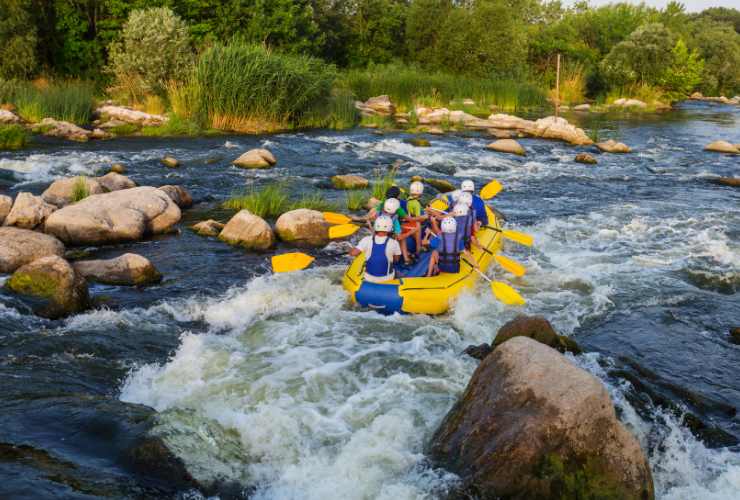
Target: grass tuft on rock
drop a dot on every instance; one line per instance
(80, 190)
(13, 137)
(268, 202)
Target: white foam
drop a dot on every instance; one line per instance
(47, 167)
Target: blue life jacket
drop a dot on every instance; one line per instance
(480, 210)
(449, 255)
(377, 264)
(465, 228)
(404, 205)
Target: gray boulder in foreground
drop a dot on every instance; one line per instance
(531, 425)
(127, 215)
(28, 211)
(249, 231)
(22, 246)
(6, 203)
(127, 269)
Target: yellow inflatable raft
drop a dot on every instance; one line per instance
(423, 295)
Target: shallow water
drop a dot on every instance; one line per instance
(276, 383)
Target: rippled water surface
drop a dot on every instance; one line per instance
(277, 384)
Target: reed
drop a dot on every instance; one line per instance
(268, 202)
(382, 181)
(357, 199)
(79, 189)
(70, 101)
(315, 201)
(13, 137)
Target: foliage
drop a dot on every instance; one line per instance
(719, 46)
(572, 85)
(315, 201)
(382, 181)
(17, 40)
(338, 113)
(70, 101)
(356, 199)
(285, 24)
(154, 46)
(79, 189)
(13, 137)
(641, 58)
(269, 202)
(685, 71)
(174, 126)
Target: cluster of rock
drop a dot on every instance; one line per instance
(698, 96)
(7, 117)
(531, 424)
(112, 116)
(66, 130)
(376, 106)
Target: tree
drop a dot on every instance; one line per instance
(685, 71)
(17, 40)
(423, 23)
(287, 25)
(719, 45)
(641, 58)
(376, 31)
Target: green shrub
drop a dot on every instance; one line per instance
(641, 58)
(382, 182)
(18, 40)
(154, 46)
(124, 129)
(79, 189)
(684, 73)
(13, 137)
(247, 88)
(173, 127)
(269, 202)
(356, 199)
(315, 201)
(71, 101)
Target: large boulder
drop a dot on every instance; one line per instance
(62, 129)
(127, 215)
(507, 146)
(127, 269)
(208, 227)
(722, 147)
(629, 103)
(536, 328)
(376, 106)
(440, 185)
(509, 122)
(349, 182)
(54, 282)
(62, 191)
(553, 127)
(303, 228)
(127, 115)
(170, 162)
(21, 246)
(586, 158)
(256, 158)
(113, 181)
(612, 146)
(28, 211)
(532, 425)
(249, 231)
(179, 195)
(6, 203)
(8, 117)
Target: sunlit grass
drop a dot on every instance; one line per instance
(274, 199)
(70, 101)
(13, 137)
(357, 199)
(79, 189)
(382, 181)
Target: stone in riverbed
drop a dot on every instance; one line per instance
(419, 142)
(115, 182)
(19, 247)
(582, 107)
(735, 335)
(28, 211)
(629, 103)
(727, 181)
(8, 117)
(62, 129)
(53, 280)
(127, 269)
(532, 425)
(376, 106)
(722, 147)
(612, 146)
(170, 162)
(119, 216)
(507, 146)
(303, 228)
(586, 158)
(6, 203)
(179, 195)
(61, 192)
(554, 127)
(256, 158)
(249, 231)
(117, 168)
(536, 328)
(208, 227)
(127, 115)
(440, 185)
(349, 182)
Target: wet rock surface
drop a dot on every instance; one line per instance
(303, 228)
(249, 231)
(128, 269)
(62, 191)
(21, 246)
(28, 212)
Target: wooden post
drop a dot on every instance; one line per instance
(557, 89)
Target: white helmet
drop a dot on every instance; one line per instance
(391, 206)
(416, 188)
(449, 225)
(465, 198)
(460, 210)
(384, 224)
(467, 185)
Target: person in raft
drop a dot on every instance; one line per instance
(391, 207)
(380, 250)
(447, 248)
(478, 205)
(415, 214)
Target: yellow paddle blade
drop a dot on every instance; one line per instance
(335, 218)
(491, 189)
(439, 204)
(506, 294)
(342, 231)
(510, 265)
(521, 238)
(288, 262)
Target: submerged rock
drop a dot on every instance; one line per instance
(536, 328)
(28, 211)
(179, 195)
(586, 158)
(507, 146)
(532, 425)
(256, 158)
(249, 231)
(170, 162)
(303, 228)
(61, 192)
(419, 142)
(735, 335)
(208, 227)
(440, 185)
(52, 280)
(612, 146)
(21, 246)
(150, 457)
(727, 181)
(722, 147)
(6, 203)
(117, 168)
(127, 215)
(115, 182)
(349, 182)
(478, 351)
(127, 269)
(62, 129)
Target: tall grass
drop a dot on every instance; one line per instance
(313, 201)
(274, 199)
(247, 88)
(409, 85)
(13, 137)
(572, 85)
(79, 189)
(70, 101)
(338, 112)
(382, 181)
(357, 199)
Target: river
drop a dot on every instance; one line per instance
(275, 382)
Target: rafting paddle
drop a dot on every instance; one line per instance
(342, 231)
(521, 238)
(335, 218)
(287, 262)
(491, 189)
(510, 265)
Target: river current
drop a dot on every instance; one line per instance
(276, 383)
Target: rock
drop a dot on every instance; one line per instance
(127, 215)
(179, 195)
(509, 122)
(437, 116)
(8, 117)
(586, 158)
(150, 457)
(501, 133)
(117, 168)
(53, 280)
(507, 146)
(440, 185)
(629, 103)
(735, 335)
(115, 182)
(6, 203)
(612, 146)
(127, 115)
(434, 131)
(553, 127)
(727, 181)
(478, 351)
(98, 133)
(419, 142)
(208, 227)
(65, 130)
(117, 126)
(170, 162)
(722, 147)
(536, 328)
(349, 182)
(249, 231)
(19, 247)
(376, 106)
(468, 102)
(303, 228)
(256, 158)
(28, 211)
(582, 107)
(532, 425)
(128, 269)
(697, 96)
(62, 191)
